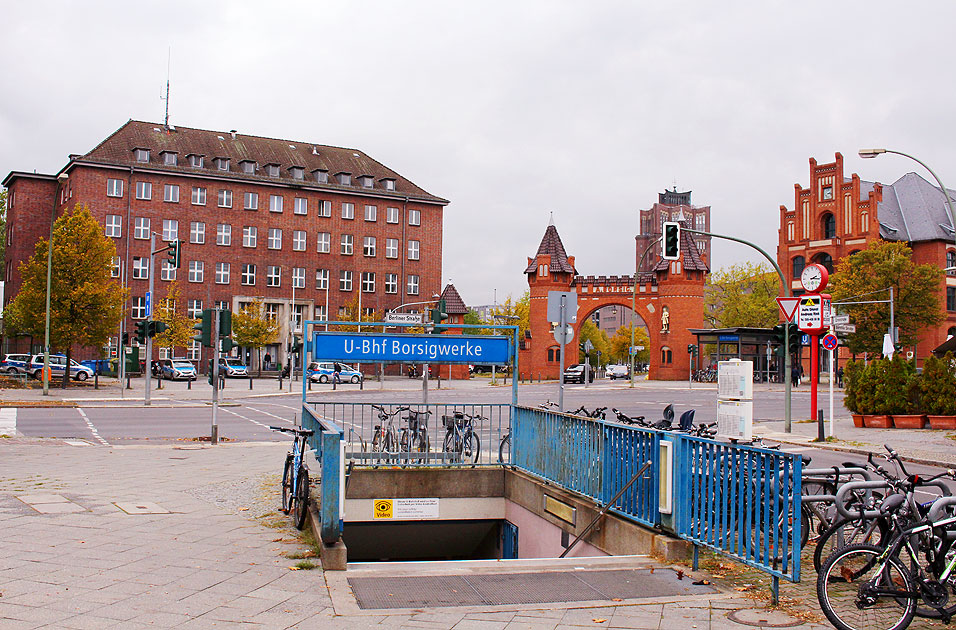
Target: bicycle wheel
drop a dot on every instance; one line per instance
(471, 448)
(819, 514)
(848, 532)
(301, 497)
(504, 449)
(390, 443)
(855, 594)
(287, 483)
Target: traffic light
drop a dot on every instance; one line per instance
(438, 315)
(142, 331)
(173, 253)
(691, 348)
(205, 328)
(296, 345)
(155, 328)
(226, 344)
(779, 332)
(126, 339)
(671, 241)
(225, 323)
(209, 372)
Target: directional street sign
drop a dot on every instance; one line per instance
(788, 306)
(841, 319)
(588, 346)
(403, 318)
(844, 328)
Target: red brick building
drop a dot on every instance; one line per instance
(672, 206)
(259, 217)
(837, 215)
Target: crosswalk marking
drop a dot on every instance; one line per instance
(8, 421)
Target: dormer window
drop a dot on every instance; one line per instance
(141, 155)
(388, 183)
(297, 172)
(196, 161)
(272, 170)
(247, 166)
(366, 181)
(222, 163)
(169, 158)
(321, 175)
(344, 179)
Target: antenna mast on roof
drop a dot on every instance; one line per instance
(169, 54)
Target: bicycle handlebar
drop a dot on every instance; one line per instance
(294, 430)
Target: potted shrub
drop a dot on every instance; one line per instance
(891, 389)
(937, 391)
(853, 378)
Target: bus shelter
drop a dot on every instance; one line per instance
(747, 344)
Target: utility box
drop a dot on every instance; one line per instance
(132, 360)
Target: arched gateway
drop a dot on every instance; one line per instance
(670, 299)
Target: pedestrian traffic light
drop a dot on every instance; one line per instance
(173, 253)
(155, 328)
(671, 241)
(142, 331)
(205, 328)
(691, 348)
(438, 315)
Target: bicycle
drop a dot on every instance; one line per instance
(460, 437)
(384, 436)
(504, 446)
(295, 476)
(414, 437)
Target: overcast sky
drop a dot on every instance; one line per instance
(511, 110)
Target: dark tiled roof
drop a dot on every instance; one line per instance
(551, 244)
(689, 254)
(914, 210)
(454, 305)
(117, 149)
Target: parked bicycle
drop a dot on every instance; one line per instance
(384, 435)
(460, 437)
(295, 476)
(414, 437)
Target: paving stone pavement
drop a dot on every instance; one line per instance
(203, 549)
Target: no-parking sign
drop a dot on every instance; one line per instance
(830, 341)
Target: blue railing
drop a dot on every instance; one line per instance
(328, 444)
(741, 501)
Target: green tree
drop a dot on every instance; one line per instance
(598, 338)
(3, 223)
(252, 329)
(86, 305)
(867, 275)
(621, 341)
(742, 295)
(350, 313)
(179, 327)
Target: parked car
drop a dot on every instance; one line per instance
(58, 367)
(322, 371)
(575, 374)
(175, 369)
(618, 371)
(232, 367)
(15, 363)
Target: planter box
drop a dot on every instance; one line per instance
(878, 422)
(909, 421)
(858, 420)
(942, 422)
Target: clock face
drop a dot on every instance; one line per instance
(814, 277)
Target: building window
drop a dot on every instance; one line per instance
(543, 271)
(368, 246)
(142, 155)
(391, 248)
(344, 179)
(700, 221)
(116, 267)
(251, 201)
(391, 283)
(951, 298)
(144, 190)
(321, 176)
(666, 356)
(196, 268)
(193, 350)
(412, 285)
(194, 308)
(391, 215)
(140, 268)
(389, 184)
(170, 158)
(301, 206)
(368, 282)
(345, 280)
(951, 262)
(114, 225)
(324, 240)
(274, 276)
(247, 166)
(321, 279)
(272, 311)
(248, 274)
(371, 213)
(298, 240)
(298, 277)
(138, 310)
(197, 232)
(114, 188)
(828, 223)
(348, 210)
(224, 234)
(825, 260)
(272, 170)
(366, 182)
(225, 198)
(297, 172)
(275, 239)
(275, 203)
(199, 196)
(413, 248)
(170, 230)
(222, 273)
(167, 271)
(346, 245)
(798, 264)
(320, 313)
(554, 354)
(414, 217)
(222, 164)
(249, 234)
(325, 208)
(141, 228)
(171, 193)
(196, 161)
(827, 193)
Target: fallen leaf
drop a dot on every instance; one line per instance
(701, 583)
(616, 599)
(599, 620)
(680, 575)
(243, 509)
(846, 573)
(293, 568)
(718, 575)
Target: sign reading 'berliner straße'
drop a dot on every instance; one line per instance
(379, 348)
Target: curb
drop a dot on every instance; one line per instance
(862, 451)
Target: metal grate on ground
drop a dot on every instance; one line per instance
(496, 589)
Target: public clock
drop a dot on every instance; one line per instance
(814, 278)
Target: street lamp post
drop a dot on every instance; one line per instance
(60, 180)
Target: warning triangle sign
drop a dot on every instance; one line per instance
(788, 306)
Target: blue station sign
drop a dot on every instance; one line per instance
(383, 348)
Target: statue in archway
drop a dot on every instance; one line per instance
(665, 320)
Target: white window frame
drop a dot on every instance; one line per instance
(197, 161)
(368, 247)
(170, 230)
(248, 277)
(371, 213)
(348, 210)
(224, 198)
(274, 276)
(141, 155)
(391, 283)
(298, 277)
(299, 240)
(171, 193)
(140, 268)
(346, 245)
(345, 280)
(300, 206)
(223, 270)
(249, 236)
(224, 234)
(368, 282)
(199, 196)
(114, 187)
(321, 279)
(138, 307)
(391, 215)
(414, 250)
(197, 232)
(167, 271)
(275, 203)
(144, 191)
(116, 267)
(325, 209)
(414, 216)
(274, 241)
(193, 350)
(324, 242)
(194, 308)
(197, 270)
(141, 228)
(114, 226)
(250, 201)
(391, 248)
(412, 286)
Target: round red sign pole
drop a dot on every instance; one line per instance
(814, 373)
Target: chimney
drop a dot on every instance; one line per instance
(232, 132)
